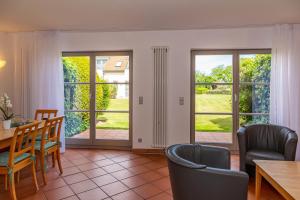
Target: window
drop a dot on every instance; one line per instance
(101, 61)
(230, 88)
(119, 64)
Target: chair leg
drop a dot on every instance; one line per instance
(53, 159)
(12, 187)
(5, 182)
(58, 160)
(43, 168)
(18, 177)
(36, 162)
(34, 176)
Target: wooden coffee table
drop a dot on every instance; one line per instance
(284, 176)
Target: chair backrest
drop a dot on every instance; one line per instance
(191, 181)
(43, 114)
(51, 130)
(210, 156)
(267, 137)
(23, 141)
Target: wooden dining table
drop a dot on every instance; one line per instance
(7, 135)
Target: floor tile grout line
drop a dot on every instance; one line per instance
(132, 189)
(111, 173)
(146, 182)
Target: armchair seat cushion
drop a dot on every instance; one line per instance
(5, 156)
(262, 155)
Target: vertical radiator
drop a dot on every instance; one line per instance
(160, 97)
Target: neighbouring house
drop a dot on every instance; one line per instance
(115, 69)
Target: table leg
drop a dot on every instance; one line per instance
(258, 178)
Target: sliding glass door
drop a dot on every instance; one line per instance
(229, 88)
(98, 98)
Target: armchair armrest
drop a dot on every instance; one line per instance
(241, 134)
(291, 146)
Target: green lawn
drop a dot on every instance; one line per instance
(204, 103)
(115, 120)
(213, 103)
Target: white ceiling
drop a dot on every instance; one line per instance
(121, 15)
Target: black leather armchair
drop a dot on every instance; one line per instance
(203, 172)
(265, 142)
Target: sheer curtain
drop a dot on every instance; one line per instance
(285, 78)
(38, 73)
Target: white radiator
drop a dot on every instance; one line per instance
(160, 96)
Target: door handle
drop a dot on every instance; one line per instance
(235, 98)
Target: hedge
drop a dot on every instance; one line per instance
(77, 96)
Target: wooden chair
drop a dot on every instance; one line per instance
(50, 144)
(21, 155)
(43, 114)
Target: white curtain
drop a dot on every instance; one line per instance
(38, 73)
(285, 78)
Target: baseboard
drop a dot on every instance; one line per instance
(149, 151)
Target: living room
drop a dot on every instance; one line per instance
(132, 79)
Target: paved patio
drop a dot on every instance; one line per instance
(213, 137)
(105, 134)
(210, 137)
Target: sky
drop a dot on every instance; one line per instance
(205, 63)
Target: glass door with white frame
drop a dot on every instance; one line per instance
(112, 110)
(98, 98)
(213, 96)
(230, 88)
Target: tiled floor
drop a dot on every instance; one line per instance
(108, 174)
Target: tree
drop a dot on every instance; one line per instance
(222, 74)
(254, 87)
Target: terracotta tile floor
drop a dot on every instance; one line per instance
(109, 174)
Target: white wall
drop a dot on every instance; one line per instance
(180, 44)
(6, 73)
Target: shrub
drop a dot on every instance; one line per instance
(113, 91)
(201, 90)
